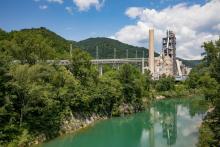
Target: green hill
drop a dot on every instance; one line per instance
(190, 63)
(41, 43)
(106, 48)
(34, 44)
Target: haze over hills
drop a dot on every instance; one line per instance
(59, 47)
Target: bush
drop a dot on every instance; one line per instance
(165, 84)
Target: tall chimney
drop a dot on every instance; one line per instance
(151, 51)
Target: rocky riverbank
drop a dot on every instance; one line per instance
(70, 124)
(74, 122)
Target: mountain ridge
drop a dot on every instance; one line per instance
(61, 46)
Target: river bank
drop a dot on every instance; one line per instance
(146, 128)
(209, 133)
(184, 93)
(75, 122)
(70, 125)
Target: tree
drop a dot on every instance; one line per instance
(81, 67)
(165, 84)
(108, 94)
(132, 85)
(8, 127)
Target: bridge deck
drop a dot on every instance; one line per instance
(118, 61)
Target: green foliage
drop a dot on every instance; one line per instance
(209, 86)
(190, 63)
(81, 67)
(207, 78)
(165, 84)
(210, 131)
(3, 34)
(32, 45)
(108, 94)
(39, 93)
(106, 48)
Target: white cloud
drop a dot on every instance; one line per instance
(56, 1)
(84, 5)
(133, 12)
(217, 27)
(43, 7)
(69, 10)
(192, 24)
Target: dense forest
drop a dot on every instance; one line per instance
(35, 96)
(33, 92)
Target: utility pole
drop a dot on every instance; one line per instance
(114, 53)
(127, 53)
(143, 54)
(71, 49)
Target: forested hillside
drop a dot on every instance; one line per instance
(39, 101)
(29, 45)
(43, 44)
(106, 48)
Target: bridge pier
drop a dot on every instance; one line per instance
(100, 69)
(142, 66)
(118, 66)
(117, 62)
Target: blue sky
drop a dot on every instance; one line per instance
(117, 19)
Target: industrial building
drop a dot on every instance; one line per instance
(166, 64)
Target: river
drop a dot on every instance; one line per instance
(172, 122)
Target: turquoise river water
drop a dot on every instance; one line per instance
(166, 123)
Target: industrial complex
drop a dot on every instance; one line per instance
(166, 64)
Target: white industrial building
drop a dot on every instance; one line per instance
(166, 64)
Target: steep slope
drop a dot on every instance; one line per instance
(106, 48)
(190, 63)
(54, 40)
(58, 47)
(35, 43)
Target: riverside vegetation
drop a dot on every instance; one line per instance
(39, 101)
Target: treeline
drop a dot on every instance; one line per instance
(30, 45)
(108, 47)
(206, 77)
(35, 97)
(41, 41)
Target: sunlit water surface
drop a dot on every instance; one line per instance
(166, 123)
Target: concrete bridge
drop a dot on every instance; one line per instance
(101, 62)
(117, 62)
(142, 62)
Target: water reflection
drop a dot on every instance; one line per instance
(165, 123)
(165, 113)
(168, 118)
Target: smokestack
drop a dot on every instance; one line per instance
(151, 51)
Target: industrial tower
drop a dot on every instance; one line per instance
(169, 53)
